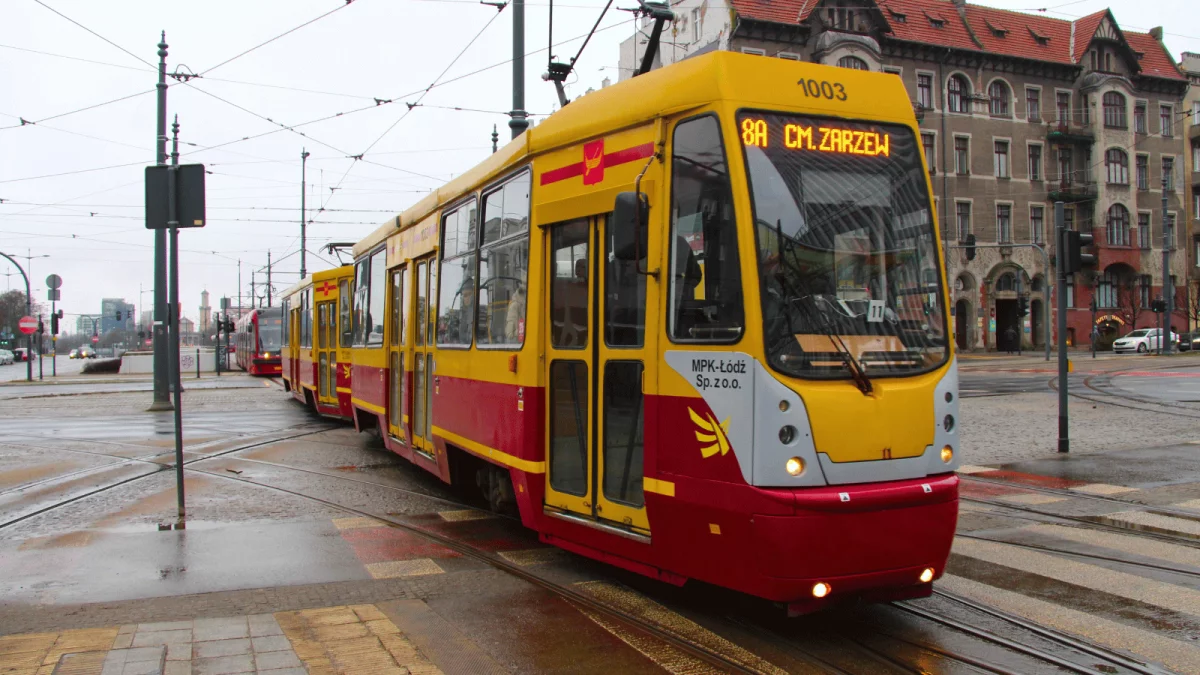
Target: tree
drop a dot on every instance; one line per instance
(1129, 300)
(12, 308)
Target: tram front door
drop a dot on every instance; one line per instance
(421, 420)
(595, 361)
(326, 357)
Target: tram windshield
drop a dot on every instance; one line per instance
(846, 247)
(270, 333)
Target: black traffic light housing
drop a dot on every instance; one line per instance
(118, 315)
(1071, 251)
(1023, 306)
(1158, 305)
(970, 246)
(54, 324)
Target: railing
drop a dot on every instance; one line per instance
(1072, 132)
(1073, 191)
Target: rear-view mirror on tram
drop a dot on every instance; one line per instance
(628, 226)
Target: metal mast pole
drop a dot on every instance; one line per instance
(303, 189)
(1164, 338)
(1064, 438)
(268, 277)
(519, 123)
(162, 398)
(173, 223)
(28, 312)
(239, 289)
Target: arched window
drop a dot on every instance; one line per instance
(998, 97)
(1006, 282)
(1118, 225)
(852, 62)
(1114, 110)
(958, 94)
(1117, 164)
(1106, 288)
(1038, 284)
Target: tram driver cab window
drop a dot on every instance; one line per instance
(706, 284)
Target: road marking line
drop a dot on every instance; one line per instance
(1189, 504)
(1146, 644)
(1121, 584)
(1102, 489)
(534, 556)
(683, 628)
(394, 569)
(464, 514)
(355, 523)
(969, 469)
(1032, 499)
(1189, 528)
(1124, 543)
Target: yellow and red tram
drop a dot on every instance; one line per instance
(692, 325)
(316, 353)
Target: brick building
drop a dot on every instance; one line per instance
(1017, 112)
(1190, 65)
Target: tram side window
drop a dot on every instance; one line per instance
(504, 265)
(306, 318)
(361, 270)
(456, 296)
(345, 321)
(706, 283)
(287, 323)
(376, 307)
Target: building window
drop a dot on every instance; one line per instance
(925, 90)
(1114, 110)
(1143, 231)
(1168, 169)
(1001, 159)
(1118, 225)
(1033, 104)
(1196, 113)
(754, 51)
(962, 155)
(696, 25)
(503, 265)
(1196, 204)
(1143, 172)
(1093, 55)
(927, 142)
(1116, 164)
(1037, 223)
(958, 94)
(1069, 218)
(1062, 107)
(1035, 162)
(1144, 287)
(962, 212)
(1196, 157)
(456, 295)
(1064, 165)
(853, 63)
(1139, 117)
(998, 99)
(1004, 223)
(894, 71)
(1196, 245)
(1069, 301)
(1106, 290)
(1166, 118)
(1085, 109)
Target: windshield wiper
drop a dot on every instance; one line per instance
(857, 372)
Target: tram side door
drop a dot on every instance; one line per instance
(595, 362)
(397, 419)
(293, 347)
(419, 410)
(327, 352)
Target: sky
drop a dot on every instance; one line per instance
(83, 72)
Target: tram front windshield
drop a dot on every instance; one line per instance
(270, 333)
(846, 246)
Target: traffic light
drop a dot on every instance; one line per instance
(141, 335)
(118, 315)
(41, 325)
(970, 247)
(1071, 251)
(54, 324)
(1023, 306)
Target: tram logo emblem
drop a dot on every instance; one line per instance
(593, 162)
(708, 431)
(346, 370)
(325, 288)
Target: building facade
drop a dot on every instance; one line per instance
(1017, 112)
(205, 314)
(109, 307)
(1190, 65)
(86, 323)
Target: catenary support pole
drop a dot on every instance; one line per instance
(268, 277)
(303, 188)
(1168, 290)
(162, 400)
(173, 224)
(519, 123)
(1064, 440)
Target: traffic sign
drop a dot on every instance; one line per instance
(53, 281)
(95, 339)
(28, 325)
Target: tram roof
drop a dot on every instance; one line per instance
(754, 81)
(298, 286)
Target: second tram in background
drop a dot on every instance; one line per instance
(316, 361)
(258, 339)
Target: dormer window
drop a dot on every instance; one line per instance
(935, 20)
(898, 16)
(1042, 40)
(998, 31)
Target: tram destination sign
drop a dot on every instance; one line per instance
(189, 196)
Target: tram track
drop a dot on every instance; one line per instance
(1085, 522)
(1073, 494)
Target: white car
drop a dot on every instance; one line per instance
(1142, 340)
(6, 357)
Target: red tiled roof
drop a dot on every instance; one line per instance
(917, 26)
(1085, 28)
(1019, 37)
(1156, 61)
(776, 11)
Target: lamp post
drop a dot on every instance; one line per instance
(28, 312)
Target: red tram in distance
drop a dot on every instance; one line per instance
(258, 339)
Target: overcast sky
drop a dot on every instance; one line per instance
(72, 186)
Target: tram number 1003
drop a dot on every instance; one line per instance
(834, 91)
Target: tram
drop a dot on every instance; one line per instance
(692, 325)
(316, 339)
(258, 339)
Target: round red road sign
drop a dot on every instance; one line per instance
(28, 325)
(95, 339)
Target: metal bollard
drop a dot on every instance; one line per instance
(197, 363)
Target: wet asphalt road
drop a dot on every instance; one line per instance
(284, 506)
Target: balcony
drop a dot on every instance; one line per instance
(1073, 192)
(1061, 132)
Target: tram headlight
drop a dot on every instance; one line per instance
(927, 575)
(821, 589)
(794, 466)
(948, 423)
(947, 454)
(787, 434)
